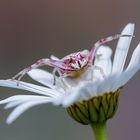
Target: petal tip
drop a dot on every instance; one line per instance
(129, 28)
(131, 24)
(9, 121)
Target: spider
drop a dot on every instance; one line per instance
(73, 65)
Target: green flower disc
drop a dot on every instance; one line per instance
(95, 110)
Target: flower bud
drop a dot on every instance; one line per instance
(95, 110)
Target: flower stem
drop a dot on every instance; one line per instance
(99, 130)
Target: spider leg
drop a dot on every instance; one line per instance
(61, 76)
(101, 42)
(110, 38)
(54, 76)
(39, 63)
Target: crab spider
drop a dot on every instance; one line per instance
(73, 65)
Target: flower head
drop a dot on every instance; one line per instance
(98, 83)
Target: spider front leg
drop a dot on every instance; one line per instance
(39, 63)
(61, 76)
(101, 42)
(54, 75)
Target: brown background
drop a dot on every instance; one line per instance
(34, 29)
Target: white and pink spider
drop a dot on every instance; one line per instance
(73, 65)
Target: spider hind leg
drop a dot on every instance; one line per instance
(39, 63)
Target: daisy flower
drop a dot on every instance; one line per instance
(90, 95)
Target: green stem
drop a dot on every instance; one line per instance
(99, 130)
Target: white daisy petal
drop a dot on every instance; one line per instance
(103, 60)
(134, 62)
(22, 108)
(29, 87)
(108, 85)
(122, 49)
(19, 99)
(104, 86)
(83, 91)
(23, 98)
(12, 104)
(132, 68)
(42, 77)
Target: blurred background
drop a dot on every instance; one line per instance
(34, 29)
